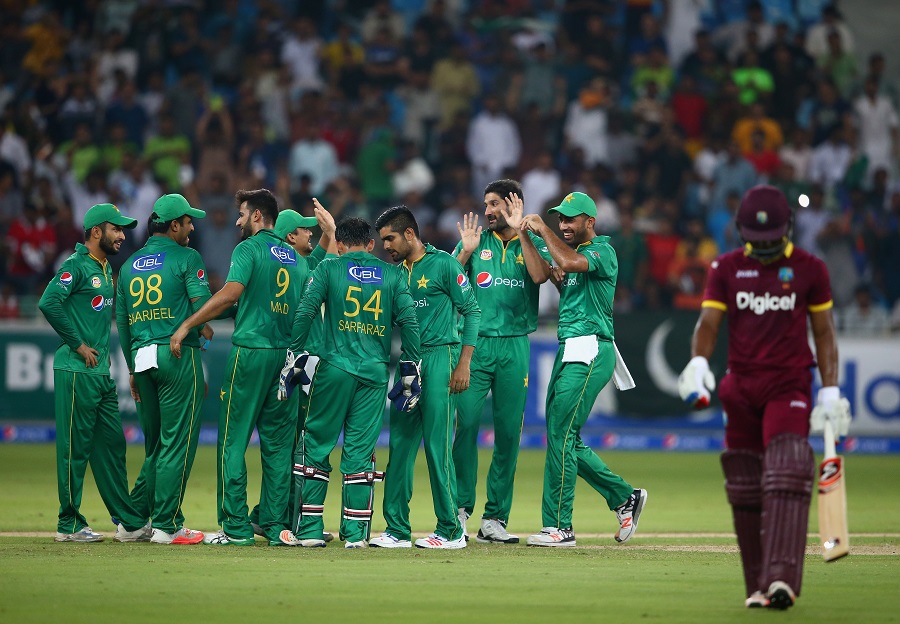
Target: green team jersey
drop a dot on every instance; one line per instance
(273, 277)
(314, 340)
(78, 304)
(586, 299)
(364, 298)
(505, 292)
(440, 288)
(154, 292)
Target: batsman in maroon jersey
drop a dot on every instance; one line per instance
(767, 290)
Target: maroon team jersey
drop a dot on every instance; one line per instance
(767, 307)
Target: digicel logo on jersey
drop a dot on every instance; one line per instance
(760, 304)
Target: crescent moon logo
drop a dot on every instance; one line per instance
(658, 367)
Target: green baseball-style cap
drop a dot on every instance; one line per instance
(289, 220)
(103, 213)
(575, 204)
(174, 206)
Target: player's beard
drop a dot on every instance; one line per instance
(246, 230)
(108, 244)
(499, 224)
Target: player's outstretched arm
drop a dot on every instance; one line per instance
(469, 237)
(696, 381)
(214, 306)
(829, 404)
(566, 258)
(538, 268)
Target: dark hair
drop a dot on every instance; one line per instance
(353, 232)
(260, 199)
(504, 187)
(160, 228)
(398, 218)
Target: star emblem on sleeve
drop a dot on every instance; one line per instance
(423, 282)
(221, 394)
(526, 381)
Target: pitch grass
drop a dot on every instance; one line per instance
(597, 582)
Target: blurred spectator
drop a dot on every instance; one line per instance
(654, 69)
(706, 162)
(830, 160)
(169, 155)
(116, 147)
(631, 252)
(219, 236)
(374, 166)
(649, 109)
(84, 195)
(343, 59)
(493, 144)
(885, 86)
(661, 247)
(185, 43)
(585, 124)
(300, 53)
(137, 190)
(412, 173)
(650, 37)
(864, 318)
(77, 109)
(720, 223)
(225, 57)
(273, 92)
(697, 242)
(829, 111)
(735, 174)
(446, 227)
(683, 19)
(797, 153)
(735, 35)
(79, 155)
(9, 302)
(837, 246)
(838, 65)
(757, 121)
(687, 277)
(817, 35)
(67, 235)
(706, 65)
(382, 65)
(788, 76)
(753, 80)
(690, 108)
(382, 16)
(12, 203)
(125, 109)
(115, 58)
(879, 136)
(31, 242)
(622, 144)
(540, 184)
(597, 49)
(540, 85)
(260, 155)
(419, 54)
(455, 81)
(763, 158)
(313, 156)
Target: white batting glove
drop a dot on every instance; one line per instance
(696, 382)
(832, 407)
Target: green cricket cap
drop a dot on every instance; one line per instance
(103, 213)
(289, 220)
(575, 204)
(174, 206)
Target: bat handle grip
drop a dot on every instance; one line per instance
(830, 450)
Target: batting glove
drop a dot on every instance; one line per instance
(831, 407)
(405, 393)
(696, 382)
(292, 374)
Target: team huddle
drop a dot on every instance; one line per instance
(309, 362)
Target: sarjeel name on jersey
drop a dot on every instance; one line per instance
(361, 328)
(760, 304)
(153, 314)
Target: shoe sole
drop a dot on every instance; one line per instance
(481, 539)
(78, 541)
(407, 545)
(454, 547)
(124, 540)
(635, 516)
(250, 542)
(553, 545)
(780, 598)
(183, 541)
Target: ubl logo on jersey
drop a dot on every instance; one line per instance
(98, 302)
(760, 304)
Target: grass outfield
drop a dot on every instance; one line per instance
(691, 576)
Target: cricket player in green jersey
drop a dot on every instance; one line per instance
(78, 304)
(440, 289)
(364, 297)
(266, 280)
(584, 365)
(294, 228)
(159, 286)
(507, 267)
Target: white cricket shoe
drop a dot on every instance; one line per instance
(493, 531)
(220, 539)
(628, 514)
(463, 516)
(138, 535)
(780, 596)
(756, 600)
(386, 540)
(288, 538)
(552, 536)
(359, 544)
(183, 535)
(84, 536)
(436, 541)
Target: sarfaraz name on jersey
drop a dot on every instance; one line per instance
(150, 262)
(364, 274)
(283, 254)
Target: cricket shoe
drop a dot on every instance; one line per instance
(327, 537)
(183, 536)
(386, 540)
(551, 536)
(628, 514)
(436, 541)
(757, 600)
(138, 535)
(780, 596)
(258, 530)
(359, 544)
(220, 539)
(493, 531)
(84, 536)
(287, 538)
(463, 516)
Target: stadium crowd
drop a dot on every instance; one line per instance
(664, 113)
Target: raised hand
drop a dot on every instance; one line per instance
(513, 211)
(469, 232)
(533, 223)
(326, 221)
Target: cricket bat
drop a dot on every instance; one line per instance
(832, 502)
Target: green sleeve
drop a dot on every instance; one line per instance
(463, 300)
(601, 260)
(241, 270)
(195, 281)
(51, 305)
(456, 252)
(541, 247)
(404, 315)
(122, 323)
(310, 307)
(318, 254)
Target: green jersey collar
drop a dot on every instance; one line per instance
(597, 240)
(82, 249)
